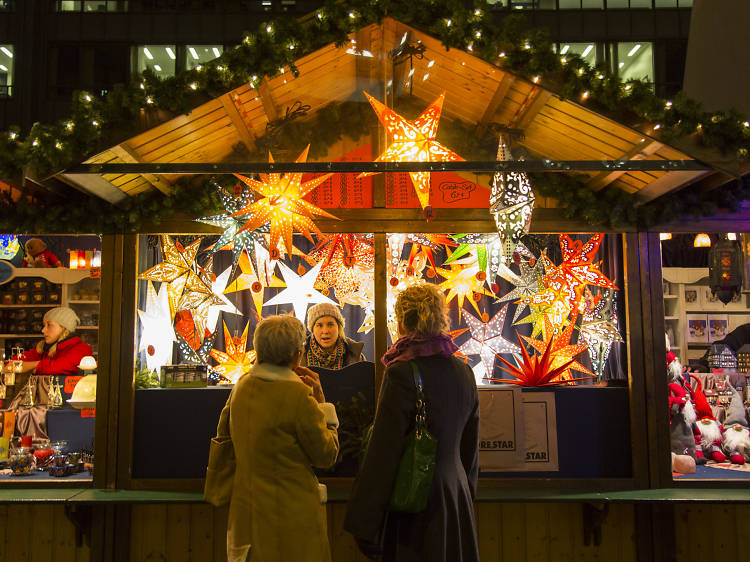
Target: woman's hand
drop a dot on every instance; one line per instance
(311, 379)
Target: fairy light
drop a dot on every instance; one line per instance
(87, 97)
(95, 123)
(535, 80)
(69, 125)
(142, 86)
(35, 142)
(657, 127)
(12, 136)
(448, 23)
(193, 86)
(269, 29)
(478, 34)
(668, 104)
(564, 60)
(585, 95)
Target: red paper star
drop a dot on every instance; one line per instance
(560, 349)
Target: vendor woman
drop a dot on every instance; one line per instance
(327, 346)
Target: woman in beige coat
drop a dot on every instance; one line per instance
(281, 427)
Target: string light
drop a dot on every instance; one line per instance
(193, 86)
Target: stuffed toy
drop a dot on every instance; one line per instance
(736, 442)
(37, 255)
(681, 414)
(708, 432)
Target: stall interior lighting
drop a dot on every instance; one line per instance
(731, 236)
(665, 236)
(702, 240)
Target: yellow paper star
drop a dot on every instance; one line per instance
(283, 205)
(414, 141)
(561, 350)
(463, 279)
(237, 360)
(348, 260)
(255, 282)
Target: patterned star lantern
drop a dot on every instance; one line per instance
(526, 284)
(414, 141)
(463, 279)
(422, 247)
(199, 296)
(564, 284)
(299, 291)
(198, 355)
(283, 205)
(232, 238)
(217, 287)
(489, 252)
(559, 347)
(236, 360)
(511, 203)
(487, 339)
(254, 281)
(599, 329)
(157, 335)
(348, 260)
(404, 276)
(9, 246)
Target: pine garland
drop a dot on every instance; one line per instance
(98, 122)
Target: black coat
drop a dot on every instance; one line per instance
(445, 531)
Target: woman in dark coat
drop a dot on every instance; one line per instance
(445, 531)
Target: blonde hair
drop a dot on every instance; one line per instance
(278, 339)
(53, 349)
(421, 310)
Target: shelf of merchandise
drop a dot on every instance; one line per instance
(82, 302)
(2, 306)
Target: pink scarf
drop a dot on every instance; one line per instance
(412, 346)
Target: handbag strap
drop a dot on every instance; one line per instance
(421, 416)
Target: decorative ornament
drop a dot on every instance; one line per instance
(9, 246)
(157, 333)
(487, 339)
(283, 205)
(599, 329)
(196, 356)
(348, 261)
(404, 276)
(562, 351)
(414, 142)
(237, 360)
(526, 285)
(489, 250)
(218, 287)
(232, 238)
(299, 291)
(726, 265)
(422, 246)
(255, 282)
(462, 281)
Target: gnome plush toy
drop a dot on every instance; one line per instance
(681, 413)
(736, 442)
(708, 431)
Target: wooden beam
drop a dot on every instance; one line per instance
(364, 67)
(639, 152)
(128, 155)
(239, 123)
(497, 99)
(668, 182)
(534, 103)
(95, 185)
(266, 98)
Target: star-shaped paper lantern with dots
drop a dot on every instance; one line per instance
(463, 279)
(487, 339)
(217, 287)
(232, 238)
(283, 205)
(599, 329)
(299, 291)
(199, 355)
(255, 282)
(526, 284)
(560, 348)
(157, 332)
(414, 141)
(347, 261)
(489, 252)
(236, 360)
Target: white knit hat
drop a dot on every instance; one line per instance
(324, 309)
(63, 316)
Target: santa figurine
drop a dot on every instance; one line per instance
(736, 442)
(708, 431)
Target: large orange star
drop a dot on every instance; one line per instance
(414, 141)
(283, 205)
(560, 349)
(237, 360)
(348, 259)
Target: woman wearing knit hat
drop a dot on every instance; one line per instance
(327, 346)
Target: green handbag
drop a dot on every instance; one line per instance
(415, 471)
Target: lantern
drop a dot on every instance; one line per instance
(725, 267)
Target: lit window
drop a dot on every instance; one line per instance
(160, 59)
(635, 61)
(640, 3)
(592, 4)
(586, 50)
(92, 6)
(201, 54)
(6, 70)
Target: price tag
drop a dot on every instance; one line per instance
(70, 384)
(88, 412)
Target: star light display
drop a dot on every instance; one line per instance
(487, 339)
(157, 333)
(526, 284)
(560, 349)
(599, 329)
(563, 285)
(196, 356)
(405, 275)
(236, 360)
(511, 203)
(217, 288)
(299, 291)
(414, 141)
(283, 205)
(489, 252)
(9, 246)
(347, 261)
(463, 279)
(255, 282)
(232, 238)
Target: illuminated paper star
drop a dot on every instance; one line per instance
(560, 349)
(487, 339)
(232, 238)
(348, 259)
(599, 330)
(489, 252)
(526, 285)
(283, 205)
(217, 288)
(157, 333)
(299, 291)
(537, 317)
(414, 142)
(463, 279)
(199, 297)
(237, 360)
(254, 282)
(195, 356)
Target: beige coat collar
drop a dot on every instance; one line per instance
(270, 372)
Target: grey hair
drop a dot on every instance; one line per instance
(278, 339)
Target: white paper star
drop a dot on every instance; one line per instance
(157, 336)
(218, 287)
(299, 291)
(487, 339)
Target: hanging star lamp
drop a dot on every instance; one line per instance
(218, 287)
(347, 261)
(558, 342)
(527, 283)
(299, 291)
(233, 238)
(282, 205)
(487, 339)
(414, 141)
(511, 204)
(255, 282)
(599, 330)
(236, 360)
(157, 333)
(198, 355)
(463, 279)
(489, 251)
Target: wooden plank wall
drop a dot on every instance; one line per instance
(38, 533)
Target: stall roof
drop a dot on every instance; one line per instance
(476, 92)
